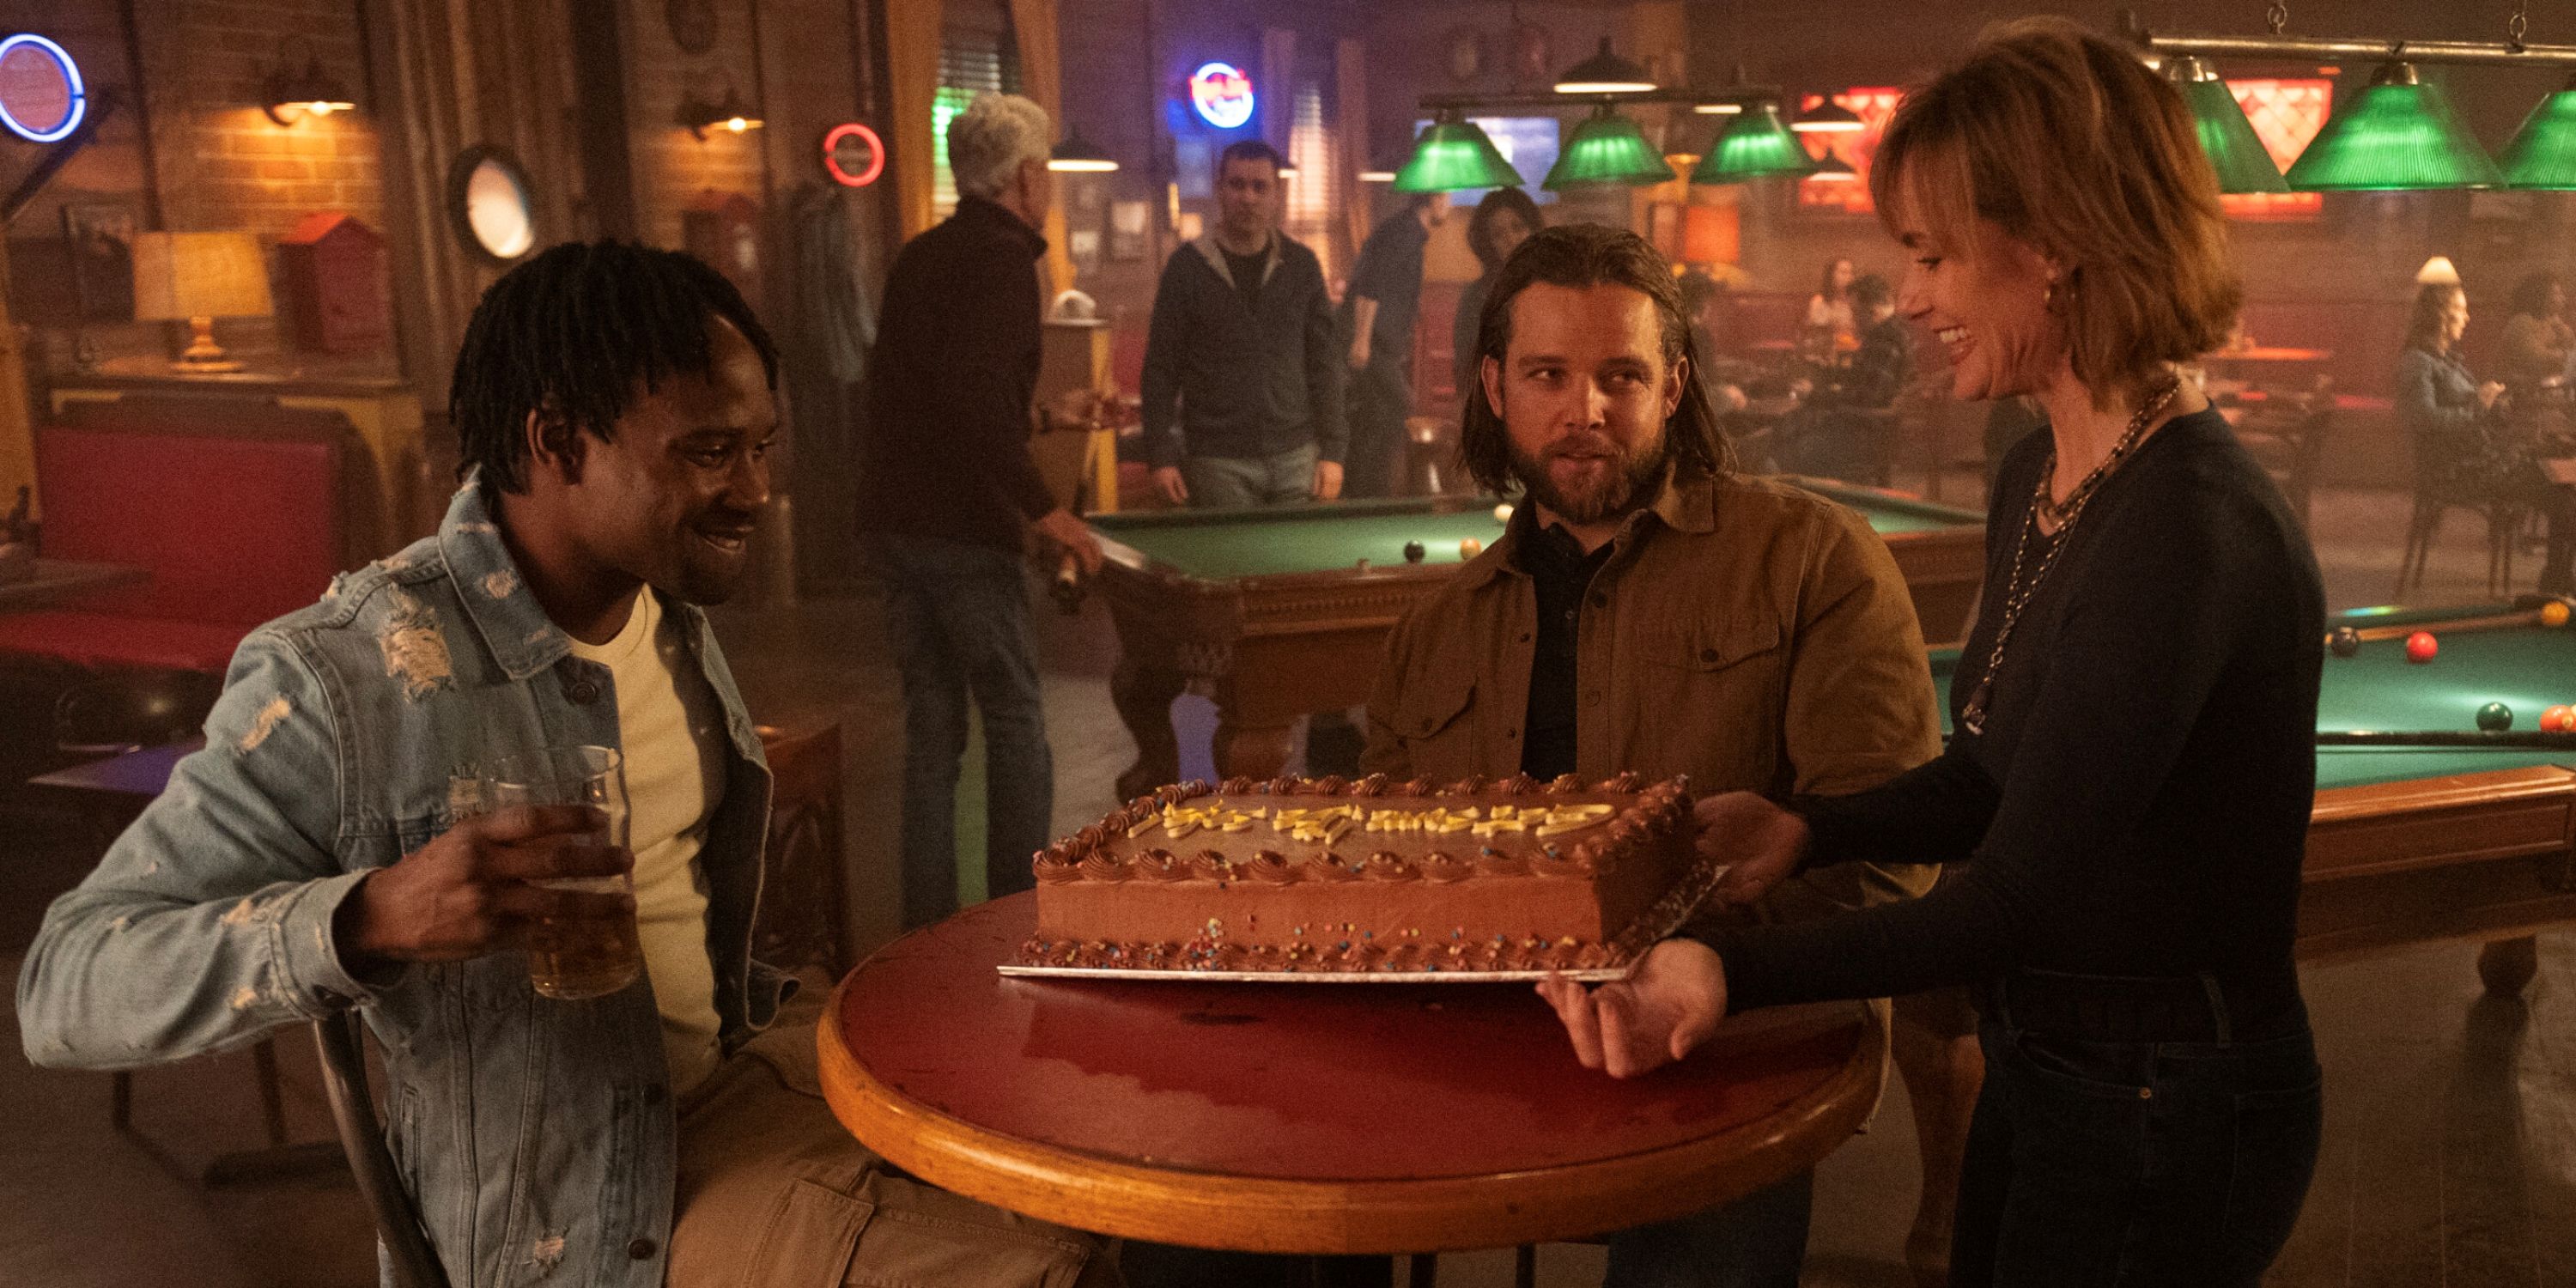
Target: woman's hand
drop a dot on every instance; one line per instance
(1627, 1027)
(2487, 395)
(1761, 844)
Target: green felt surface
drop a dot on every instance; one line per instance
(1305, 538)
(1320, 538)
(2529, 669)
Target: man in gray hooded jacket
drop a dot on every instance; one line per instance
(1242, 389)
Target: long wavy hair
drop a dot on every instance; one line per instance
(1577, 256)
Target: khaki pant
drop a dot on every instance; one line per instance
(775, 1193)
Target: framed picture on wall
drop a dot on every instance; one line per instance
(99, 239)
(1128, 221)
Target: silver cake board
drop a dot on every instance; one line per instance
(1657, 923)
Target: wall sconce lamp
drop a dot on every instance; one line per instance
(290, 96)
(732, 115)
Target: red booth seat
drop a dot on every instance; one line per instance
(238, 521)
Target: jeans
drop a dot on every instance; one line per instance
(1758, 1241)
(1241, 482)
(957, 615)
(2134, 1164)
(1381, 396)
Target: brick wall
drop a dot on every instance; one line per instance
(217, 162)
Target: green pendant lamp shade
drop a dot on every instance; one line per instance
(1607, 148)
(2400, 135)
(1755, 145)
(2242, 162)
(1452, 155)
(2542, 154)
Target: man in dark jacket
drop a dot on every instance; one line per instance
(948, 494)
(1242, 348)
(1385, 293)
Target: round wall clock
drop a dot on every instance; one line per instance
(692, 24)
(489, 205)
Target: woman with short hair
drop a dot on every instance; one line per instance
(2133, 766)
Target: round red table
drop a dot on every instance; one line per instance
(1311, 1118)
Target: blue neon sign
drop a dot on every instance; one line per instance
(1222, 95)
(76, 96)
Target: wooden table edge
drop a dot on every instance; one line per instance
(1128, 1200)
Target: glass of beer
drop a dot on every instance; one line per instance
(575, 958)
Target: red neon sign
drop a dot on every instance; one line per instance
(832, 155)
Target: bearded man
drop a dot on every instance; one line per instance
(1650, 609)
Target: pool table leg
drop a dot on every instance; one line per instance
(1143, 695)
(2506, 965)
(1251, 751)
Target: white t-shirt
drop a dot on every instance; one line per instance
(671, 729)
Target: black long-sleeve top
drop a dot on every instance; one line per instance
(2139, 800)
(951, 382)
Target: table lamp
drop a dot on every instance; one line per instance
(196, 278)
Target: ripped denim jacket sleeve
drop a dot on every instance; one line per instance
(209, 922)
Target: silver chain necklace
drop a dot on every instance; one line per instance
(2017, 594)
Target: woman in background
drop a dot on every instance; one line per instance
(1831, 326)
(2464, 444)
(1503, 220)
(2537, 340)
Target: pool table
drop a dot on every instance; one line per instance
(1269, 613)
(2414, 844)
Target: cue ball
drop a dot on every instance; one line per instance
(2554, 613)
(2558, 719)
(1503, 514)
(2495, 717)
(1413, 552)
(2346, 641)
(2421, 646)
(1470, 548)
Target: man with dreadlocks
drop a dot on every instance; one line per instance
(1649, 609)
(615, 409)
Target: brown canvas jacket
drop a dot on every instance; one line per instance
(1744, 632)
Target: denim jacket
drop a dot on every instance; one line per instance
(538, 1136)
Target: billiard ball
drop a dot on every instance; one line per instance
(2495, 717)
(2346, 641)
(1503, 514)
(2558, 719)
(2421, 646)
(2554, 613)
(1413, 552)
(1470, 548)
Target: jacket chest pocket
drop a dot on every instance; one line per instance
(1713, 694)
(1435, 721)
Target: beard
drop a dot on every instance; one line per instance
(1625, 486)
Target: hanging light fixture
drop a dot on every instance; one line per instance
(1607, 148)
(2399, 135)
(2542, 154)
(1605, 73)
(290, 96)
(1722, 107)
(1078, 155)
(1454, 154)
(2438, 271)
(2242, 162)
(1755, 145)
(733, 116)
(1831, 168)
(1829, 117)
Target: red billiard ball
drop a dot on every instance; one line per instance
(2421, 646)
(2558, 719)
